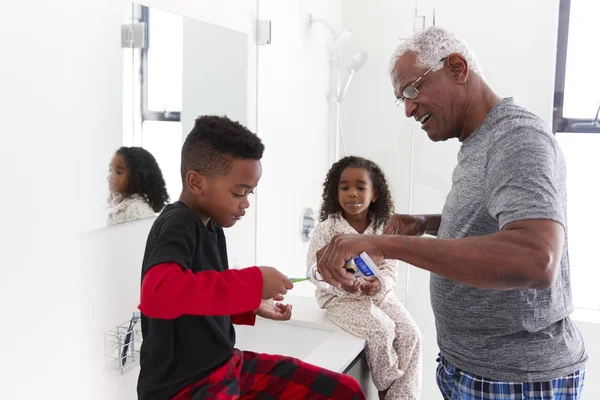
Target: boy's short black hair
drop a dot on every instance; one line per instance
(214, 142)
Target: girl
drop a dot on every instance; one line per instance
(356, 199)
(137, 188)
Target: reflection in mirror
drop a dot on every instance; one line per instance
(136, 185)
(175, 71)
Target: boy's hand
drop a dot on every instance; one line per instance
(353, 288)
(274, 283)
(276, 311)
(371, 286)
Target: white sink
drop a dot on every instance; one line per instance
(324, 345)
(288, 338)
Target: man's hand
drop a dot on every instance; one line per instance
(276, 311)
(371, 286)
(332, 257)
(409, 225)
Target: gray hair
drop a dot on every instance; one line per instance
(431, 45)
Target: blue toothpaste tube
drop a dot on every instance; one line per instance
(362, 266)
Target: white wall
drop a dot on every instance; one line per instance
(581, 154)
(591, 332)
(54, 95)
(112, 260)
(517, 60)
(292, 120)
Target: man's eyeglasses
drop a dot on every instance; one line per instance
(410, 92)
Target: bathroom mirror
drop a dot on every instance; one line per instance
(174, 69)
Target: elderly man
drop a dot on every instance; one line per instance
(500, 285)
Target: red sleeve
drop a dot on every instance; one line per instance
(247, 318)
(169, 291)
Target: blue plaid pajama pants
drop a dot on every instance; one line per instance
(460, 385)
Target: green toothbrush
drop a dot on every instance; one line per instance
(294, 280)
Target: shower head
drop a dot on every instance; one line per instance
(358, 60)
(338, 40)
(335, 50)
(310, 20)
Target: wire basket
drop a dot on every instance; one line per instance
(122, 345)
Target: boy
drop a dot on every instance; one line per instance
(189, 297)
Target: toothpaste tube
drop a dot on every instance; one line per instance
(315, 277)
(362, 266)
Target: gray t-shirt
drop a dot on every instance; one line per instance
(510, 169)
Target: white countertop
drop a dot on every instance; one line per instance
(309, 335)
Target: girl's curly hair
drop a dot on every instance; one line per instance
(379, 211)
(145, 177)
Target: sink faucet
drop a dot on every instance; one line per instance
(594, 124)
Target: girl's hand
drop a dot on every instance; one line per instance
(371, 286)
(354, 287)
